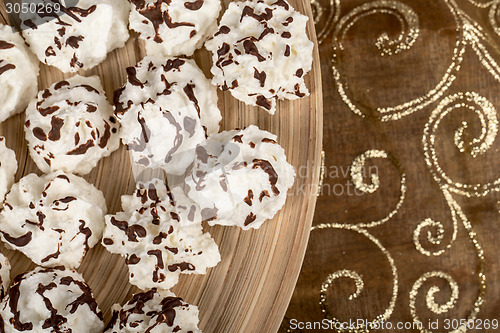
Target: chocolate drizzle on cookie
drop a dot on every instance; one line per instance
(158, 15)
(58, 281)
(155, 309)
(273, 21)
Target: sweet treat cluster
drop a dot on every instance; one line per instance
(157, 242)
(240, 177)
(167, 116)
(166, 108)
(53, 219)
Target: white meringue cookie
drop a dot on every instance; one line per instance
(241, 178)
(53, 219)
(158, 243)
(81, 36)
(50, 300)
(166, 108)
(18, 73)
(261, 52)
(154, 311)
(71, 126)
(175, 27)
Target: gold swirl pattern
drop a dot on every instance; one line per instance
(437, 238)
(480, 4)
(429, 299)
(476, 38)
(494, 16)
(434, 239)
(324, 23)
(486, 113)
(457, 213)
(406, 16)
(410, 26)
(358, 280)
(357, 167)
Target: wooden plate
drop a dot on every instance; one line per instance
(251, 287)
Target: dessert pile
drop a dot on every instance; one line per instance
(167, 116)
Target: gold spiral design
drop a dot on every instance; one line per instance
(486, 113)
(410, 31)
(494, 16)
(430, 300)
(358, 280)
(357, 168)
(436, 237)
(468, 32)
(481, 4)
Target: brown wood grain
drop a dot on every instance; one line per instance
(250, 289)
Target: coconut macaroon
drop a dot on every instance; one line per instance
(18, 73)
(158, 243)
(50, 300)
(8, 168)
(77, 37)
(261, 52)
(241, 178)
(166, 108)
(4, 275)
(174, 27)
(71, 126)
(53, 219)
(154, 311)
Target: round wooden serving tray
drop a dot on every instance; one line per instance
(251, 287)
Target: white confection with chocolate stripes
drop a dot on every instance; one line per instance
(174, 27)
(71, 126)
(166, 108)
(53, 219)
(154, 311)
(18, 73)
(80, 35)
(261, 52)
(157, 242)
(50, 300)
(240, 178)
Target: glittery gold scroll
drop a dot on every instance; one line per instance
(431, 237)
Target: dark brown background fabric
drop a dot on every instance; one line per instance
(411, 95)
